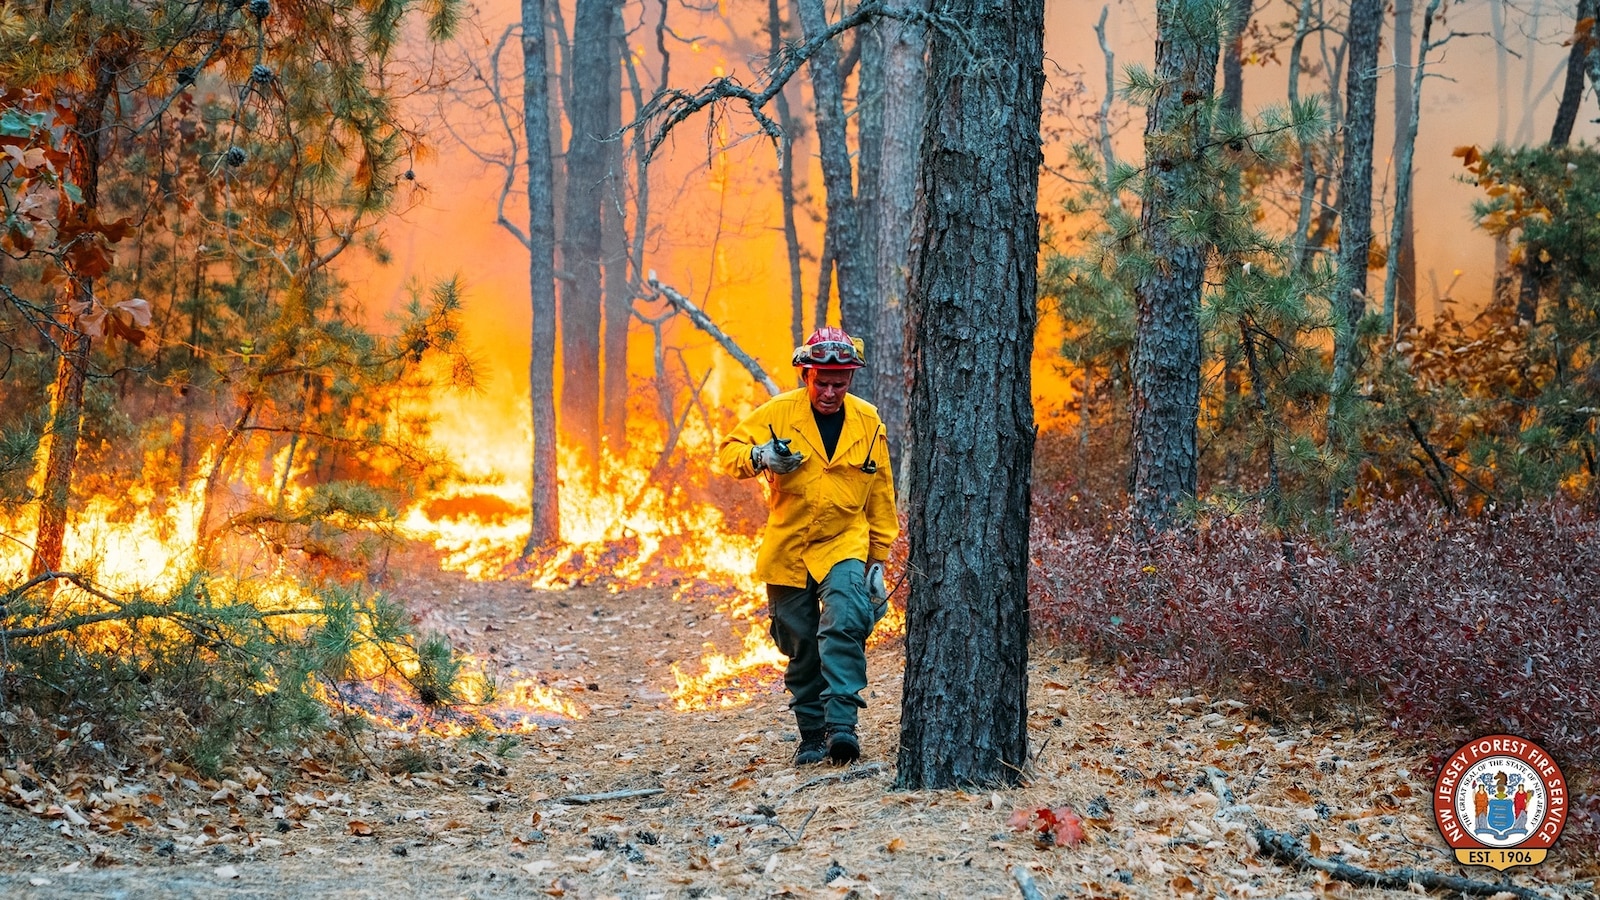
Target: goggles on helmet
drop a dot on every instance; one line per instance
(828, 353)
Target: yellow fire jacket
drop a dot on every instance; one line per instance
(826, 511)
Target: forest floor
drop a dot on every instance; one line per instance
(404, 815)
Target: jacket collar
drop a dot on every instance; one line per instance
(853, 432)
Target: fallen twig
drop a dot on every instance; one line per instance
(1025, 884)
(584, 799)
(795, 836)
(847, 775)
(1286, 848)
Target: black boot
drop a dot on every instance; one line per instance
(813, 747)
(843, 745)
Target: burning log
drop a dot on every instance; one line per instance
(703, 322)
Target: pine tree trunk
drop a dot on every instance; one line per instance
(546, 519)
(1166, 357)
(614, 244)
(791, 234)
(870, 164)
(1355, 192)
(1231, 106)
(843, 230)
(72, 364)
(1577, 63)
(972, 308)
(1405, 249)
(582, 247)
(905, 76)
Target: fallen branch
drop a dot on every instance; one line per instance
(703, 322)
(585, 799)
(840, 777)
(1286, 848)
(1025, 884)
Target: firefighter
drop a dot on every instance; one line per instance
(831, 519)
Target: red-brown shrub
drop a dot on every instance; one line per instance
(1449, 628)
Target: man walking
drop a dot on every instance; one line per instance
(830, 523)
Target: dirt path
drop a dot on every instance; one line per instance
(470, 817)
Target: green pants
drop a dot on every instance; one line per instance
(823, 628)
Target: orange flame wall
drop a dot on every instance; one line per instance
(716, 215)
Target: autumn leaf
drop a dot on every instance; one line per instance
(896, 845)
(1020, 819)
(360, 828)
(1067, 828)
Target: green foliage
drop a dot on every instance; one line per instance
(1253, 416)
(1502, 408)
(209, 665)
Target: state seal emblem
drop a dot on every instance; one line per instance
(1500, 801)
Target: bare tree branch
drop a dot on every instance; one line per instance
(670, 106)
(703, 322)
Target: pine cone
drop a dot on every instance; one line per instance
(261, 74)
(261, 8)
(235, 157)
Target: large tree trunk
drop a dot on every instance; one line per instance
(1577, 63)
(972, 306)
(72, 364)
(905, 73)
(843, 230)
(1355, 192)
(786, 122)
(870, 165)
(546, 519)
(1166, 357)
(1404, 303)
(614, 244)
(593, 54)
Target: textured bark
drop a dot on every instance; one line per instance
(546, 519)
(1404, 250)
(1355, 189)
(843, 230)
(1577, 63)
(1232, 94)
(1308, 162)
(1166, 357)
(791, 234)
(1231, 105)
(72, 364)
(905, 75)
(870, 163)
(1400, 304)
(593, 53)
(972, 310)
(614, 245)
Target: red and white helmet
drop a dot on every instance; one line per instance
(830, 348)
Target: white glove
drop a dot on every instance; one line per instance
(766, 456)
(876, 589)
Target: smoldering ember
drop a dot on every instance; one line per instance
(654, 448)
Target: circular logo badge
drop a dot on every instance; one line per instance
(1500, 801)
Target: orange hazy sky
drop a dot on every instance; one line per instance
(716, 217)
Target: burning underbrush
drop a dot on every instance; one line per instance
(248, 612)
(631, 526)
